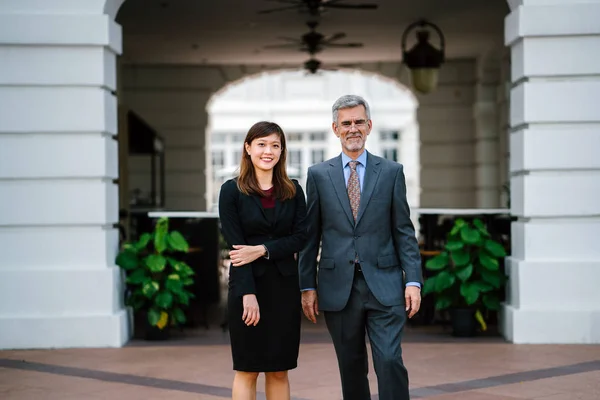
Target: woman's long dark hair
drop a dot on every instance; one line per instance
(283, 187)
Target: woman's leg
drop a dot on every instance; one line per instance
(277, 385)
(244, 385)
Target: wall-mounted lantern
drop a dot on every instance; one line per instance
(423, 59)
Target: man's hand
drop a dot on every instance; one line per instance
(251, 314)
(310, 305)
(412, 298)
(243, 254)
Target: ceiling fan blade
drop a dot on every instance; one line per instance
(281, 46)
(272, 10)
(351, 6)
(289, 39)
(349, 45)
(335, 36)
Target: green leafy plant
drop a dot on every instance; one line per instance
(468, 271)
(157, 279)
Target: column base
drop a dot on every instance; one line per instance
(550, 326)
(44, 332)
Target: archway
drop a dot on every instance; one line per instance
(301, 104)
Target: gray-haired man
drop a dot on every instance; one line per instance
(369, 274)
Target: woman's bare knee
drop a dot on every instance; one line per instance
(247, 376)
(277, 376)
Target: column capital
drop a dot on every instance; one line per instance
(537, 18)
(514, 4)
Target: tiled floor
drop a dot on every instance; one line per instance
(198, 366)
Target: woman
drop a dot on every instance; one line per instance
(263, 219)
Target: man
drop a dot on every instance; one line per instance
(357, 206)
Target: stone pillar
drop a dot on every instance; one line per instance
(485, 116)
(554, 270)
(59, 286)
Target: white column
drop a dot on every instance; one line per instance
(485, 116)
(503, 104)
(554, 295)
(447, 135)
(59, 286)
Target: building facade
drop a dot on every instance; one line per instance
(527, 99)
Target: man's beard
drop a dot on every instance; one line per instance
(354, 145)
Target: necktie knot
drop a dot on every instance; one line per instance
(353, 165)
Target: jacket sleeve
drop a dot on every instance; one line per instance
(241, 278)
(294, 242)
(405, 240)
(308, 256)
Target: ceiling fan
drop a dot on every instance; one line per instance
(316, 7)
(314, 42)
(313, 66)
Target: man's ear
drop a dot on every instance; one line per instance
(334, 129)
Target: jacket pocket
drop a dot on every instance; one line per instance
(387, 261)
(326, 263)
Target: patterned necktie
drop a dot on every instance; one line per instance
(353, 189)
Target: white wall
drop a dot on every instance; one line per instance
(447, 134)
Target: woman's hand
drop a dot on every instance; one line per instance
(242, 254)
(251, 314)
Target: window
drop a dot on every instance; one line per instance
(238, 138)
(317, 136)
(218, 138)
(295, 158)
(389, 135)
(237, 157)
(317, 156)
(390, 154)
(294, 137)
(218, 159)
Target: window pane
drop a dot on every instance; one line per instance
(317, 156)
(317, 136)
(218, 138)
(218, 159)
(390, 154)
(294, 137)
(295, 158)
(238, 138)
(389, 135)
(237, 157)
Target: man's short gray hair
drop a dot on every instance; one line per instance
(349, 101)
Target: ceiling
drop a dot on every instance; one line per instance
(231, 31)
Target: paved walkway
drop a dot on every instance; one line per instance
(198, 366)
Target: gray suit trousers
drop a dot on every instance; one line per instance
(384, 325)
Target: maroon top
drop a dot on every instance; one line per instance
(268, 201)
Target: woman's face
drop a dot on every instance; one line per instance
(265, 151)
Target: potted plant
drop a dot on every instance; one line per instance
(468, 280)
(157, 279)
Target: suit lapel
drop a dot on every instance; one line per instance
(336, 174)
(370, 180)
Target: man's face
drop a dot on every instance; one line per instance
(352, 127)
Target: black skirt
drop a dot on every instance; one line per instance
(272, 345)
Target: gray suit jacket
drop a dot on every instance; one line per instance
(383, 236)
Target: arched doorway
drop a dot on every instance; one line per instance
(301, 104)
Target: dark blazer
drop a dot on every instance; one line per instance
(243, 221)
(383, 235)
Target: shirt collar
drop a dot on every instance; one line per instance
(362, 159)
